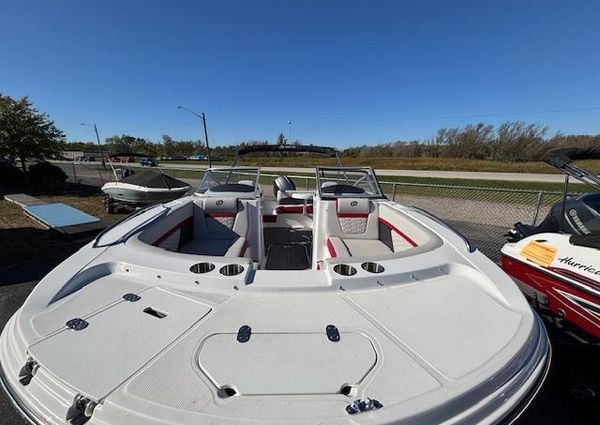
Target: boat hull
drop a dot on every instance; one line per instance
(568, 285)
(134, 194)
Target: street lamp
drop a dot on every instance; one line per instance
(203, 118)
(98, 139)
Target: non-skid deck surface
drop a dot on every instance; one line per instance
(287, 249)
(287, 257)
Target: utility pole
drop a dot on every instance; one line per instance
(99, 146)
(206, 138)
(203, 118)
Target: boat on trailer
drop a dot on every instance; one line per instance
(142, 188)
(557, 262)
(328, 305)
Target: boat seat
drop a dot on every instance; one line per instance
(356, 247)
(358, 227)
(212, 226)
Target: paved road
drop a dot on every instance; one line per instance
(522, 177)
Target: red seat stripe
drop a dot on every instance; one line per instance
(395, 229)
(331, 249)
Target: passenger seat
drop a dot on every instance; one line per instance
(353, 230)
(220, 228)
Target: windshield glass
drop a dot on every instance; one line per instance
(229, 180)
(348, 182)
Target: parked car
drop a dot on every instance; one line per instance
(148, 162)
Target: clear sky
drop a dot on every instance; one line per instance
(344, 72)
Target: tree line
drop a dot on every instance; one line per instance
(512, 141)
(26, 133)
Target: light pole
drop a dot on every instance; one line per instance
(289, 132)
(203, 118)
(98, 140)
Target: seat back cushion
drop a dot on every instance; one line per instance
(220, 213)
(352, 215)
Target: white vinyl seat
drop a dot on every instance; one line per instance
(212, 227)
(358, 227)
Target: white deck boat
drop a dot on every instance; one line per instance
(331, 306)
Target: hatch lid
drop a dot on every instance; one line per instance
(286, 363)
(116, 342)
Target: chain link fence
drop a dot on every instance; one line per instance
(482, 214)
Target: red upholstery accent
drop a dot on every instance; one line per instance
(395, 229)
(217, 215)
(293, 209)
(244, 247)
(349, 215)
(173, 230)
(331, 249)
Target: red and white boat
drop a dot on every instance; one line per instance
(557, 263)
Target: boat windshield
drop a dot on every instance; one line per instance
(337, 182)
(222, 180)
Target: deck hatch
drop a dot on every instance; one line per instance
(117, 343)
(287, 363)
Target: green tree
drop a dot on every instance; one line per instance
(26, 132)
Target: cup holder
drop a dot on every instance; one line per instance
(231, 269)
(344, 269)
(372, 267)
(202, 268)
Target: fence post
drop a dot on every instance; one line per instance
(537, 207)
(74, 173)
(394, 192)
(306, 183)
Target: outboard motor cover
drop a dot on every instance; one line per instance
(283, 184)
(582, 216)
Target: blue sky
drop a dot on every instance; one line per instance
(344, 72)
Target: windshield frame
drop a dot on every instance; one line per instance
(320, 175)
(210, 174)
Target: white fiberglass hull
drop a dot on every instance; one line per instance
(135, 194)
(442, 335)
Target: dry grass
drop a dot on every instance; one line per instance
(436, 164)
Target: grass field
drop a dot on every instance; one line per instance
(575, 187)
(434, 164)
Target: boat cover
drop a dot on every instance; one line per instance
(149, 178)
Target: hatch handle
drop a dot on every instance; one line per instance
(244, 333)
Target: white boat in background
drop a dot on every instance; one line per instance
(331, 306)
(145, 187)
